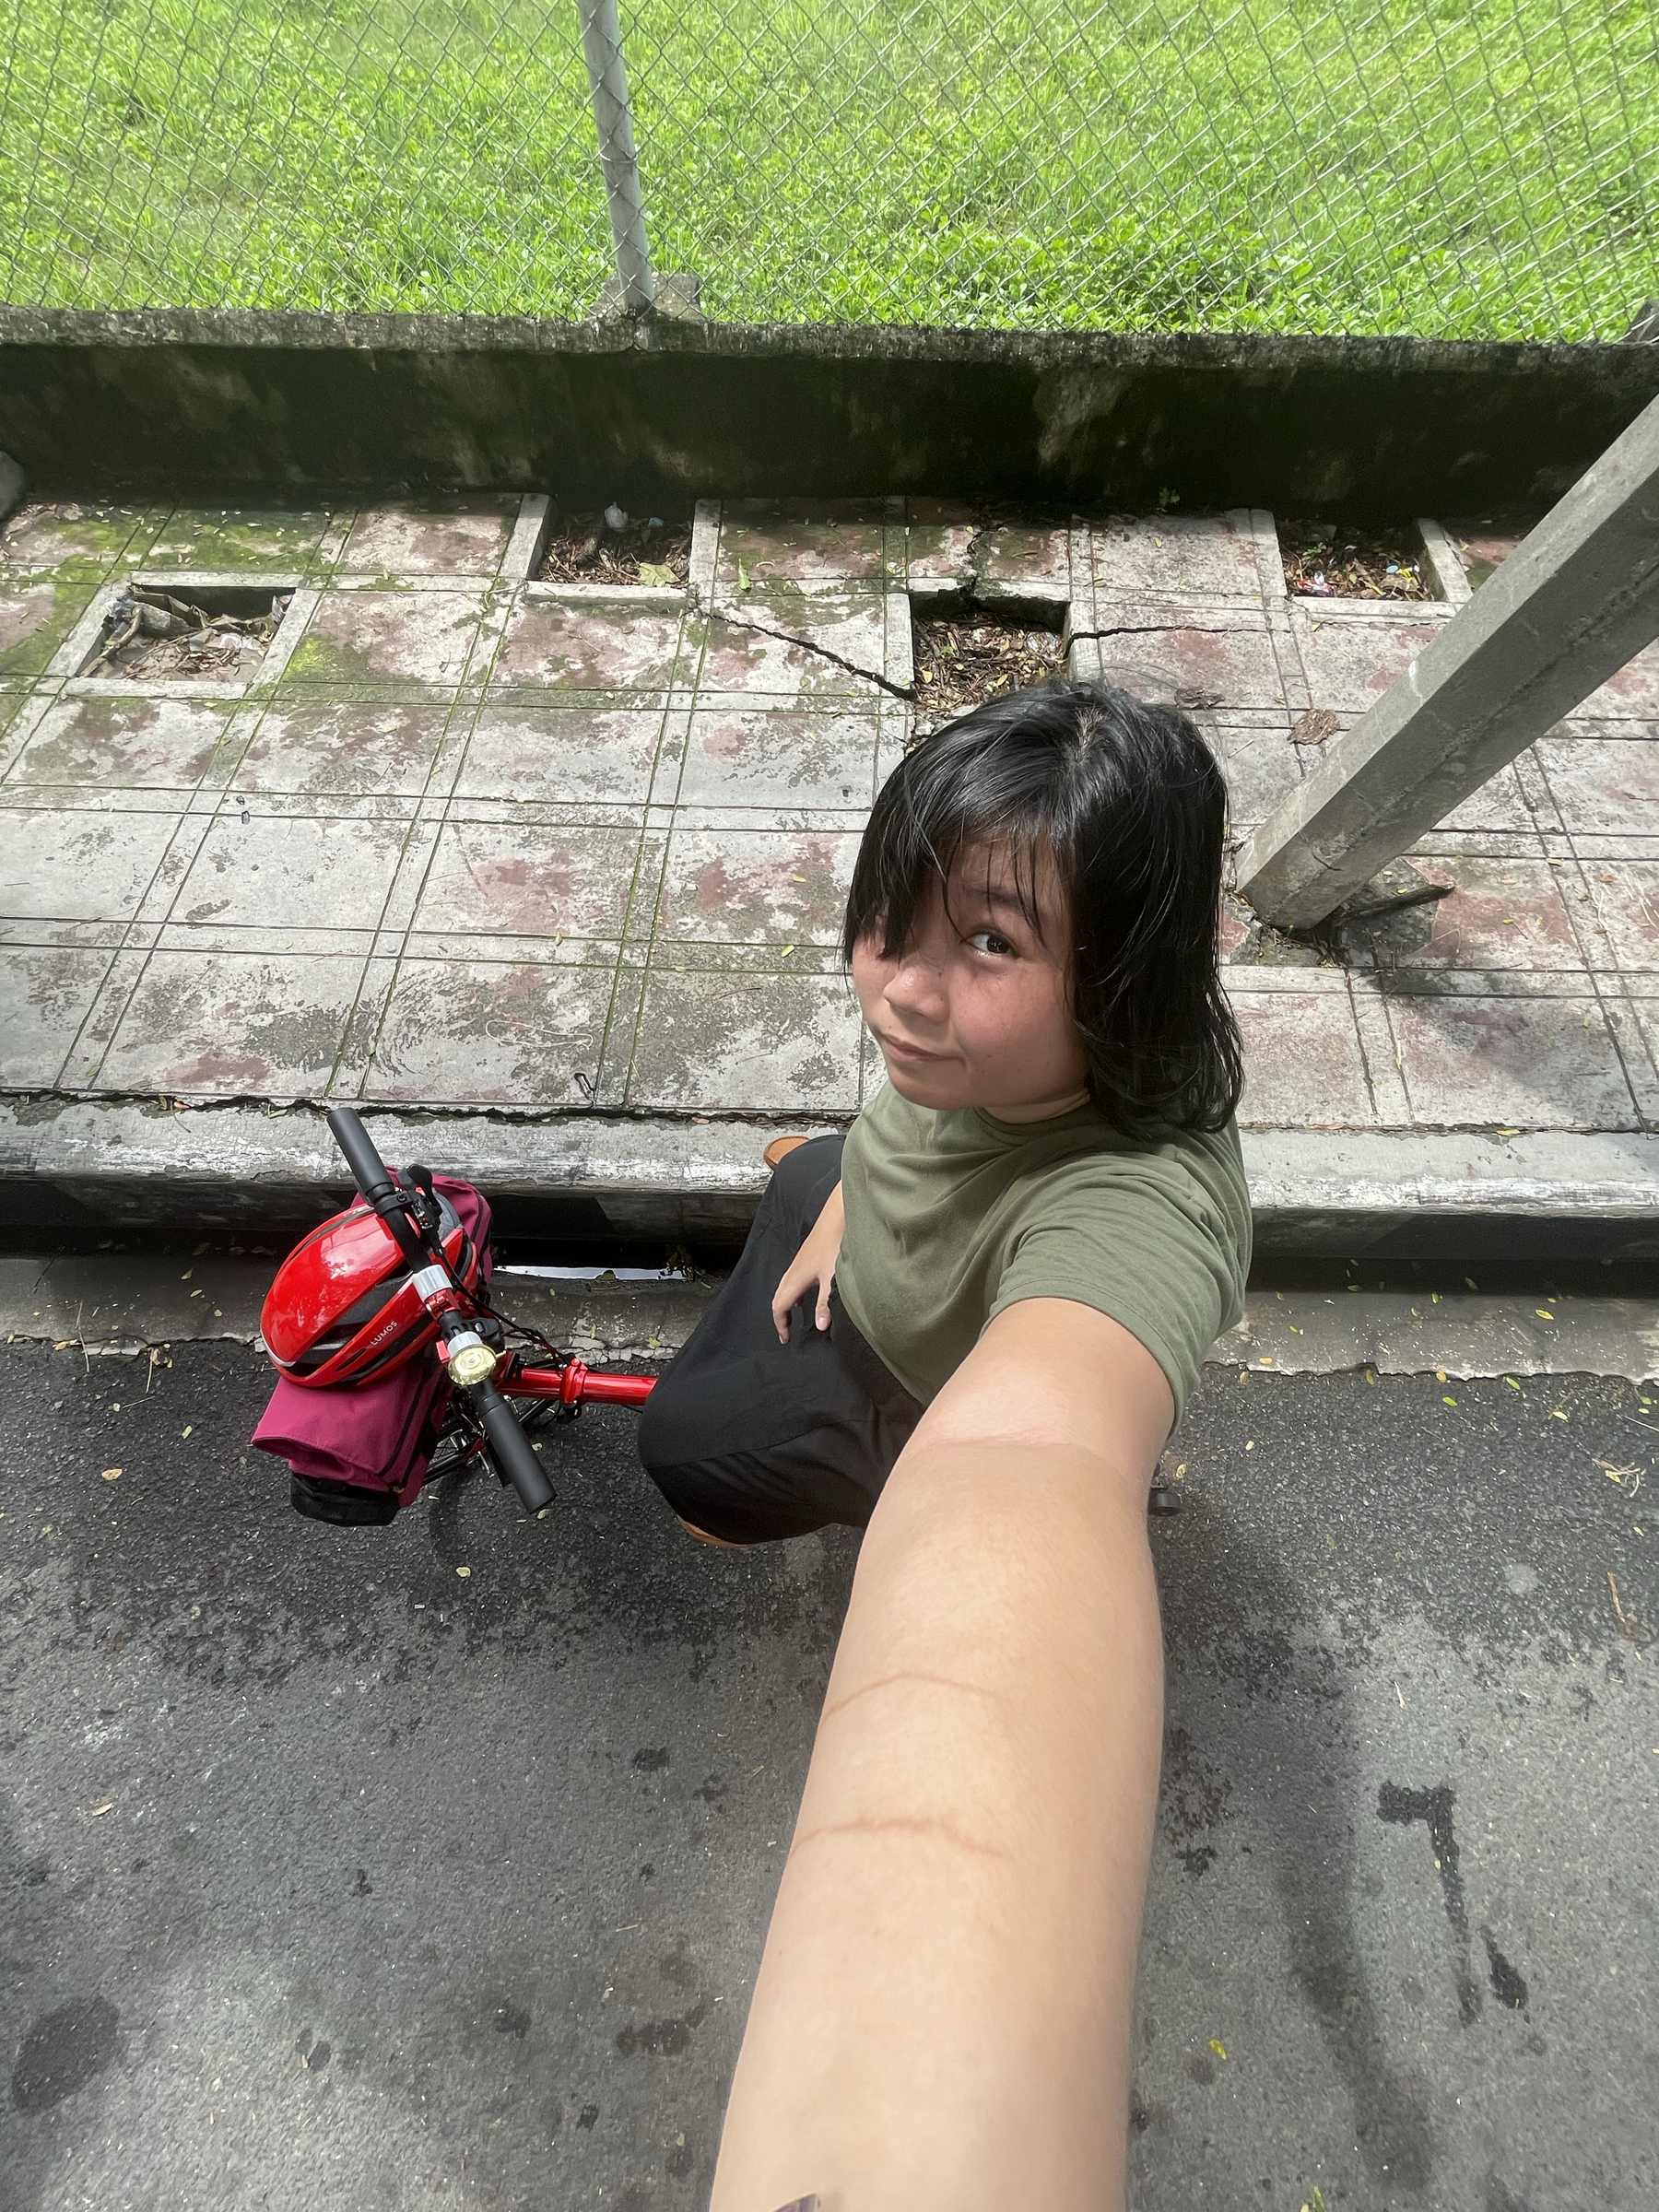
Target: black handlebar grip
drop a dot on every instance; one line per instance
(373, 1179)
(512, 1450)
(369, 1170)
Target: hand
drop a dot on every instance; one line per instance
(813, 1267)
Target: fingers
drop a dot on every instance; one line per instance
(783, 1300)
(790, 1292)
(805, 1276)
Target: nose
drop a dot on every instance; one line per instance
(916, 988)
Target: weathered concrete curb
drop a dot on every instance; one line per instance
(1340, 1192)
(1331, 1193)
(665, 408)
(245, 1167)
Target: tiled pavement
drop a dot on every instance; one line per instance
(466, 842)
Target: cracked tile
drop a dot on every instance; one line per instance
(1168, 557)
(523, 879)
(576, 646)
(755, 886)
(794, 645)
(432, 537)
(233, 1025)
(1257, 759)
(118, 744)
(731, 1042)
(1516, 1062)
(779, 757)
(375, 638)
(561, 755)
(1218, 657)
(46, 992)
(491, 1034)
(1381, 1052)
(764, 541)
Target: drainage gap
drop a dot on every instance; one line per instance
(616, 547)
(963, 660)
(216, 632)
(1326, 560)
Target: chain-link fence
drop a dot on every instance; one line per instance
(1441, 168)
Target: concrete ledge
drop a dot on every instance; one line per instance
(1357, 1171)
(64, 1161)
(283, 403)
(1319, 1194)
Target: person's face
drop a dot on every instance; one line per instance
(975, 1011)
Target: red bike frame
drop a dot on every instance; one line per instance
(575, 1384)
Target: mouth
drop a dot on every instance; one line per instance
(909, 1056)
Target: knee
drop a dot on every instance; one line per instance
(806, 1176)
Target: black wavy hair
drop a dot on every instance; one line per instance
(1126, 803)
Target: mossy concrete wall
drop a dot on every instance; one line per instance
(236, 403)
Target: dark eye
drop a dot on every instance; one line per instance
(989, 941)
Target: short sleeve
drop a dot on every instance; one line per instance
(1145, 1243)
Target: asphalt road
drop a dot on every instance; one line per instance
(333, 1875)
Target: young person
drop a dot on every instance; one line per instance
(970, 1330)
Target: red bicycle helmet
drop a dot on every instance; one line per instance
(345, 1308)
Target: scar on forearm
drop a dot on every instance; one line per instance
(968, 1690)
(898, 1825)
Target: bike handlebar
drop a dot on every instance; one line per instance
(369, 1170)
(510, 1448)
(375, 1183)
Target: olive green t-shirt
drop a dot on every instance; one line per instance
(953, 1215)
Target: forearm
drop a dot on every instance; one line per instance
(941, 2016)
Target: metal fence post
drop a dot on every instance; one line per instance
(613, 113)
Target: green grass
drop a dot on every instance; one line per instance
(1437, 168)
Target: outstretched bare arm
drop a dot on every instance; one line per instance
(941, 2019)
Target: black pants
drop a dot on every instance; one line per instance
(750, 1439)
